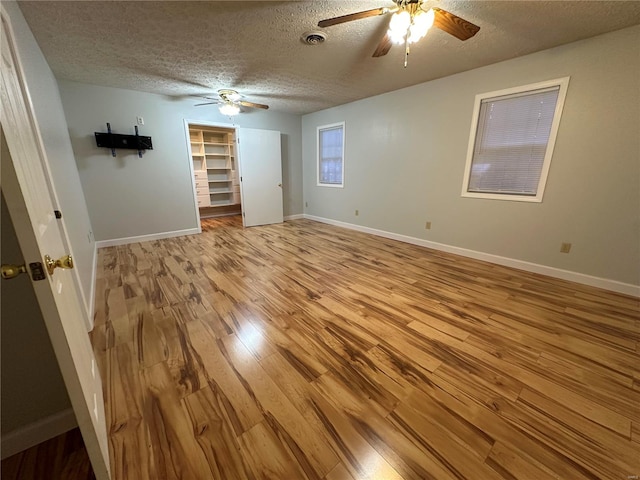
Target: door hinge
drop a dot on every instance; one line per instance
(243, 214)
(240, 178)
(58, 214)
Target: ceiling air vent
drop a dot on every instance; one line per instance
(313, 38)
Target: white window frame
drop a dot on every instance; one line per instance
(563, 84)
(318, 130)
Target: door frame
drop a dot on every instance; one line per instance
(206, 123)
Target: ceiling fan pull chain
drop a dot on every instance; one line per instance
(406, 52)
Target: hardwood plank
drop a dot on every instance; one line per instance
(150, 343)
(433, 436)
(402, 451)
(124, 412)
(215, 436)
(357, 455)
(339, 472)
(635, 432)
(171, 436)
(514, 463)
(593, 445)
(286, 422)
(239, 402)
(496, 428)
(117, 317)
(60, 458)
(267, 456)
(599, 413)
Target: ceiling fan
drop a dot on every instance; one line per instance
(230, 102)
(409, 22)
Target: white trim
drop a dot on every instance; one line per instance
(37, 432)
(604, 283)
(217, 215)
(193, 175)
(344, 136)
(205, 123)
(92, 291)
(563, 84)
(297, 216)
(146, 238)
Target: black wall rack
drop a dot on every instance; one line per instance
(117, 140)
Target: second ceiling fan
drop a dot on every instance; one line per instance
(410, 21)
(230, 102)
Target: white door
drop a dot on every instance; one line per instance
(28, 195)
(261, 176)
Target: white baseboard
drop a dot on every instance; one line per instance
(145, 238)
(604, 283)
(294, 217)
(218, 215)
(37, 432)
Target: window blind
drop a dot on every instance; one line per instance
(511, 142)
(330, 145)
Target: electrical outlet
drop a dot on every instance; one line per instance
(427, 226)
(357, 213)
(140, 120)
(565, 248)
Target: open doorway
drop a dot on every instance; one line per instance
(215, 169)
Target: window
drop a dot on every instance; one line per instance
(511, 142)
(331, 155)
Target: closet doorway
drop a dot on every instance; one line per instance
(215, 169)
(236, 171)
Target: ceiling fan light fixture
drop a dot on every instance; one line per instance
(229, 109)
(424, 20)
(400, 22)
(229, 95)
(397, 38)
(398, 26)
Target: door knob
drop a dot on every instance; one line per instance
(280, 185)
(12, 271)
(62, 262)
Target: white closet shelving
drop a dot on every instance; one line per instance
(214, 166)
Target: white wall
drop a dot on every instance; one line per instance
(45, 98)
(406, 151)
(129, 196)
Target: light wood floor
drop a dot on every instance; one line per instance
(306, 351)
(61, 458)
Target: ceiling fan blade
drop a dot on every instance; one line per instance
(354, 16)
(383, 47)
(454, 25)
(253, 105)
(208, 103)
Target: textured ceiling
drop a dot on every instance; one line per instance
(195, 48)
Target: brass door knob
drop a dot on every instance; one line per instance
(12, 271)
(62, 262)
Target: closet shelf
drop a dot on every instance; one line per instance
(214, 166)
